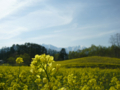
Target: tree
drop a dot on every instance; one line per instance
(115, 39)
(63, 55)
(11, 60)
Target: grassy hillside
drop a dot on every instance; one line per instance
(93, 61)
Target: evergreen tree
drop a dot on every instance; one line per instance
(63, 55)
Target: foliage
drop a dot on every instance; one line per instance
(63, 55)
(113, 51)
(26, 51)
(11, 60)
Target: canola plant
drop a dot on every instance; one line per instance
(41, 75)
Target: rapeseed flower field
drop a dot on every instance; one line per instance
(43, 75)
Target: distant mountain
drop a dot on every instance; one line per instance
(48, 46)
(72, 48)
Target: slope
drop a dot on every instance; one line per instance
(93, 61)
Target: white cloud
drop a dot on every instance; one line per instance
(74, 32)
(35, 20)
(44, 19)
(94, 35)
(8, 7)
(42, 37)
(8, 34)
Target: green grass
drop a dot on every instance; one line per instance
(93, 61)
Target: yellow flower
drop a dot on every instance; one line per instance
(19, 60)
(112, 88)
(38, 80)
(63, 88)
(38, 76)
(42, 59)
(25, 87)
(53, 69)
(1, 75)
(34, 63)
(41, 70)
(51, 59)
(2, 84)
(85, 87)
(118, 86)
(37, 57)
(44, 80)
(58, 66)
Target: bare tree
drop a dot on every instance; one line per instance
(112, 40)
(115, 39)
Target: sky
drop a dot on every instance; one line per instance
(61, 23)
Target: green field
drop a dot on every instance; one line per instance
(93, 61)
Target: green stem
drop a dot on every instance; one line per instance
(19, 69)
(47, 75)
(19, 73)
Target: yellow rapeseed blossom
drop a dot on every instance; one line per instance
(44, 80)
(38, 80)
(118, 86)
(38, 76)
(25, 87)
(112, 88)
(19, 60)
(2, 85)
(85, 87)
(63, 88)
(71, 79)
(41, 70)
(41, 75)
(1, 75)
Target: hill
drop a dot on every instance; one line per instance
(93, 61)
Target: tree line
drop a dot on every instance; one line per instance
(28, 50)
(111, 51)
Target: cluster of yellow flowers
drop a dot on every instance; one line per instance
(115, 84)
(19, 60)
(41, 75)
(41, 67)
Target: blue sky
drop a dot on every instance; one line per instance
(61, 23)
